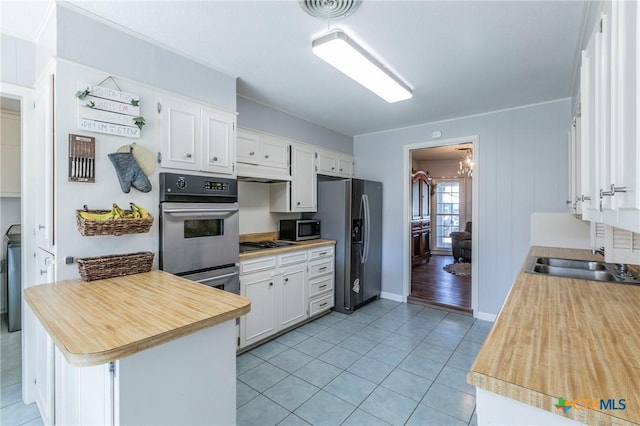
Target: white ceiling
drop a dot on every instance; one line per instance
(460, 57)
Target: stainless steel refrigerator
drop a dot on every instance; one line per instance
(350, 212)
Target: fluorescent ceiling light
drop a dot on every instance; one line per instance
(341, 52)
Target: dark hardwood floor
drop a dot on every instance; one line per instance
(430, 284)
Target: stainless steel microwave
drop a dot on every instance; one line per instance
(299, 229)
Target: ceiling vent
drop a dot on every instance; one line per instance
(330, 9)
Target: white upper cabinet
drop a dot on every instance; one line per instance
(332, 163)
(303, 179)
(262, 156)
(299, 195)
(218, 141)
(180, 133)
(247, 148)
(262, 150)
(195, 137)
(609, 152)
(624, 106)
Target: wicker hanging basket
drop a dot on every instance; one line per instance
(115, 265)
(89, 228)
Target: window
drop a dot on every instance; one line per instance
(447, 211)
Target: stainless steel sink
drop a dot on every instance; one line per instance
(579, 269)
(570, 263)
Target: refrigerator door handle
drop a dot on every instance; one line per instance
(367, 228)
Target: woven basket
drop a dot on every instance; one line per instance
(115, 265)
(123, 226)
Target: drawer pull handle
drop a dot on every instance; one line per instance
(322, 286)
(322, 269)
(322, 254)
(324, 304)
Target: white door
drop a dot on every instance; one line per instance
(247, 147)
(326, 163)
(274, 152)
(303, 179)
(180, 133)
(626, 92)
(44, 180)
(345, 166)
(218, 141)
(260, 322)
(293, 298)
(44, 348)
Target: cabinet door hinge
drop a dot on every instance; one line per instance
(159, 107)
(159, 157)
(601, 24)
(238, 341)
(233, 166)
(315, 155)
(112, 368)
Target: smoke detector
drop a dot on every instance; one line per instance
(330, 9)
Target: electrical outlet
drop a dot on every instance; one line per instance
(3, 266)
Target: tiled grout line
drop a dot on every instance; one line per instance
(378, 316)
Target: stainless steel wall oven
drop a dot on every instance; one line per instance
(199, 229)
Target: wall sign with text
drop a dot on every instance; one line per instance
(110, 111)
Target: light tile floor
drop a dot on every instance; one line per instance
(387, 363)
(12, 410)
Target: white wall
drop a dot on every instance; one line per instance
(256, 116)
(521, 167)
(86, 41)
(255, 216)
(9, 215)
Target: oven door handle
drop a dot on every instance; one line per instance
(212, 212)
(219, 277)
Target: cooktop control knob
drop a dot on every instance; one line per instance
(181, 183)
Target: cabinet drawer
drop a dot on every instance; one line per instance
(320, 252)
(320, 286)
(258, 264)
(320, 268)
(292, 258)
(320, 305)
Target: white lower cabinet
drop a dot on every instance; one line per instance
(321, 279)
(189, 380)
(284, 291)
(260, 322)
(293, 296)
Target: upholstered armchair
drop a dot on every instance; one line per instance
(461, 244)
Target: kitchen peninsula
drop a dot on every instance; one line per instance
(149, 348)
(562, 351)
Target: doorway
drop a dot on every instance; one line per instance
(443, 277)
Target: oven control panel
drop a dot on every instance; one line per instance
(178, 187)
(216, 185)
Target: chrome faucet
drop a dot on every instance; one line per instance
(600, 251)
(622, 270)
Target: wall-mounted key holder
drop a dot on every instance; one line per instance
(82, 158)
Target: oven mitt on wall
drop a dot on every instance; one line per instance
(129, 172)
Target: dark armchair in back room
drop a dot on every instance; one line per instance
(461, 244)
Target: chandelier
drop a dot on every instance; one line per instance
(465, 166)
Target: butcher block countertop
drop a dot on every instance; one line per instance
(561, 337)
(297, 245)
(101, 321)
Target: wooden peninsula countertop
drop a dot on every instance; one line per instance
(561, 337)
(101, 321)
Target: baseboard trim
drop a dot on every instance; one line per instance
(392, 296)
(486, 316)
